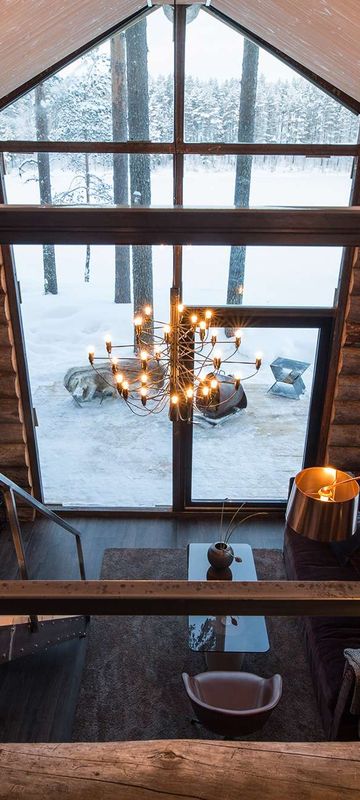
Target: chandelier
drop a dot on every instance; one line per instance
(178, 365)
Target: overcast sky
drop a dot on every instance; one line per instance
(212, 49)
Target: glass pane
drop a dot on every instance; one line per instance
(93, 450)
(81, 179)
(267, 181)
(277, 104)
(117, 91)
(253, 451)
(273, 276)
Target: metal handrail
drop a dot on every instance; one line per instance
(10, 489)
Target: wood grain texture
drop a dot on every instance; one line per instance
(248, 598)
(48, 31)
(323, 36)
(181, 769)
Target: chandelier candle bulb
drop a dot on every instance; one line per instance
(238, 338)
(143, 395)
(157, 353)
(114, 363)
(205, 391)
(167, 331)
(208, 315)
(119, 379)
(213, 384)
(213, 340)
(108, 343)
(258, 360)
(189, 394)
(237, 379)
(125, 390)
(202, 327)
(138, 321)
(217, 360)
(143, 357)
(193, 320)
(91, 354)
(143, 378)
(181, 308)
(147, 311)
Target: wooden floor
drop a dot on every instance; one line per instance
(38, 693)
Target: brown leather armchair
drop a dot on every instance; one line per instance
(232, 703)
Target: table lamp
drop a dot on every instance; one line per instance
(323, 504)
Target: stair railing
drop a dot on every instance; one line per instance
(9, 490)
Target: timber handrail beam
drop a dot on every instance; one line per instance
(9, 490)
(325, 150)
(181, 597)
(35, 224)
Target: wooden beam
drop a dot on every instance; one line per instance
(183, 148)
(118, 597)
(183, 769)
(143, 225)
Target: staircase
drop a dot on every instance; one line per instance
(27, 635)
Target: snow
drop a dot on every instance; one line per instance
(101, 454)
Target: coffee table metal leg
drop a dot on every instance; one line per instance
(224, 661)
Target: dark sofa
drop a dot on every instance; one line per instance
(327, 637)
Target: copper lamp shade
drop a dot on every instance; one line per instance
(321, 507)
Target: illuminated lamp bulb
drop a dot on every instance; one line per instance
(213, 340)
(157, 353)
(238, 338)
(213, 384)
(167, 332)
(208, 314)
(202, 327)
(330, 473)
(258, 360)
(325, 494)
(147, 311)
(143, 395)
(91, 354)
(119, 381)
(143, 358)
(189, 394)
(217, 359)
(205, 391)
(108, 342)
(114, 363)
(143, 378)
(174, 407)
(181, 308)
(193, 320)
(237, 379)
(138, 321)
(125, 390)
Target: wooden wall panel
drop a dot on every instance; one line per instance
(344, 435)
(35, 34)
(322, 35)
(14, 456)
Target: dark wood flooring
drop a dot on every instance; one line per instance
(38, 693)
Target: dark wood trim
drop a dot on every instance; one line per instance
(21, 360)
(327, 87)
(192, 511)
(64, 62)
(87, 147)
(183, 148)
(314, 452)
(143, 225)
(181, 597)
(342, 300)
(269, 149)
(267, 316)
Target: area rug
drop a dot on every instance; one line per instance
(131, 685)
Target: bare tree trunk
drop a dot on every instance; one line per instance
(243, 164)
(120, 160)
(42, 133)
(88, 195)
(140, 185)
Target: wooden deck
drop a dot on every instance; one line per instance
(182, 769)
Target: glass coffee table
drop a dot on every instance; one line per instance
(225, 640)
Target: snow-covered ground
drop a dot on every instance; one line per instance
(102, 454)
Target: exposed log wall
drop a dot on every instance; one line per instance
(179, 768)
(344, 436)
(14, 455)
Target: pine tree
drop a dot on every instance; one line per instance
(243, 163)
(43, 159)
(120, 160)
(140, 185)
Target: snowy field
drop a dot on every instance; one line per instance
(102, 454)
